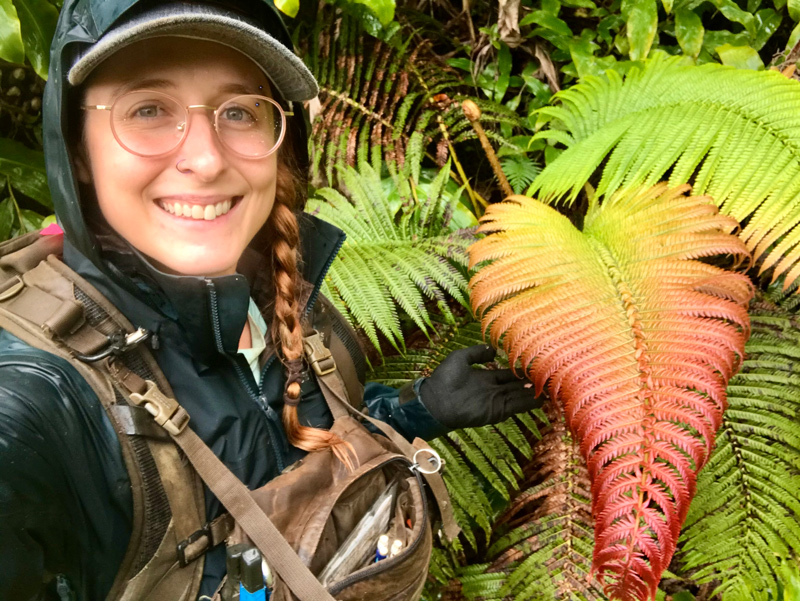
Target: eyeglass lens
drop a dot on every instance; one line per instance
(150, 123)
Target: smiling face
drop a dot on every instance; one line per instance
(197, 220)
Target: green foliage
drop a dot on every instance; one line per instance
(724, 130)
(26, 29)
(397, 253)
(744, 523)
(542, 548)
(383, 103)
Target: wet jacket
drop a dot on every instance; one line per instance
(65, 501)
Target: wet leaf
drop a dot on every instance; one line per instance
(6, 218)
(38, 20)
(767, 23)
(689, 31)
(741, 57)
(288, 7)
(24, 168)
(642, 27)
(11, 48)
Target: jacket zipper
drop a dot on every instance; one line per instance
(389, 562)
(256, 395)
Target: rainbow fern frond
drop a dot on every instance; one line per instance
(728, 132)
(395, 254)
(635, 337)
(745, 521)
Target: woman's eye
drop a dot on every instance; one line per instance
(237, 113)
(148, 111)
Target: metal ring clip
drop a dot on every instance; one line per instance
(433, 460)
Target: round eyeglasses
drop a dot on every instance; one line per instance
(152, 124)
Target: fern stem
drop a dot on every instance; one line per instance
(474, 198)
(473, 115)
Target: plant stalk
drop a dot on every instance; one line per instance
(473, 114)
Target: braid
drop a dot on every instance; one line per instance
(286, 329)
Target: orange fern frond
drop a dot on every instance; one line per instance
(636, 337)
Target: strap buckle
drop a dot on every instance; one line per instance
(165, 410)
(318, 355)
(205, 531)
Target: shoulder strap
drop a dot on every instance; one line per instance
(38, 304)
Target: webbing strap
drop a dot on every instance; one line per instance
(230, 491)
(335, 393)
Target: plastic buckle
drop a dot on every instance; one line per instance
(318, 355)
(193, 538)
(164, 409)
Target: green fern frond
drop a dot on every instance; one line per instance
(728, 132)
(382, 102)
(520, 171)
(542, 550)
(744, 521)
(395, 255)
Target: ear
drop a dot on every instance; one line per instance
(81, 165)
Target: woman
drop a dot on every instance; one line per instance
(189, 220)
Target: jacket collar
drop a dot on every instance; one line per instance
(208, 314)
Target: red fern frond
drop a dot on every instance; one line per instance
(635, 338)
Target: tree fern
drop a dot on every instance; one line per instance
(745, 521)
(383, 103)
(730, 132)
(635, 338)
(395, 255)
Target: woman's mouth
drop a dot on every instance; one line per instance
(196, 211)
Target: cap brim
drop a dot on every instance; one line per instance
(282, 66)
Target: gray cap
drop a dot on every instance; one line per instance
(283, 67)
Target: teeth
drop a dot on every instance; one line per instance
(205, 212)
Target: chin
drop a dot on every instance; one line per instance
(196, 265)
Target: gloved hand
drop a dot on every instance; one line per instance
(460, 396)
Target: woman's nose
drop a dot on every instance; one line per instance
(202, 151)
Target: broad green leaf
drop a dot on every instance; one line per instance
(552, 7)
(38, 19)
(30, 221)
(767, 23)
(503, 72)
(25, 170)
(779, 4)
(383, 9)
(642, 28)
(741, 57)
(547, 20)
(288, 7)
(794, 10)
(732, 12)
(794, 37)
(667, 5)
(689, 31)
(7, 215)
(11, 48)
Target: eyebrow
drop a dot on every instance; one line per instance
(161, 84)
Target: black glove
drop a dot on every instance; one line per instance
(458, 396)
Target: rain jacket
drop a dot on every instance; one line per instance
(65, 496)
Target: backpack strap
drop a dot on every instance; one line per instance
(38, 304)
(230, 491)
